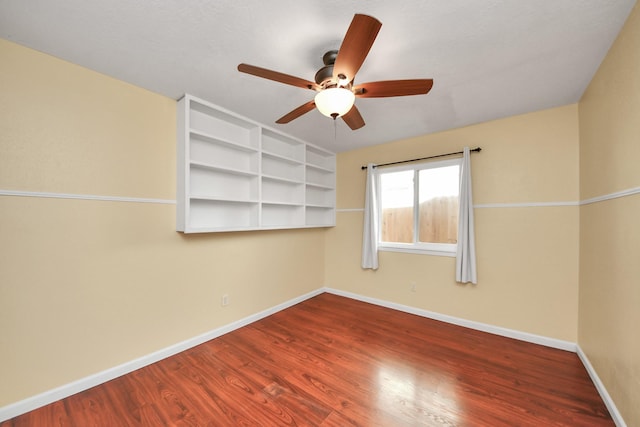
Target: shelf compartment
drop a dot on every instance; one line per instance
(277, 178)
(222, 169)
(320, 158)
(222, 125)
(281, 168)
(282, 146)
(282, 191)
(282, 215)
(319, 177)
(320, 186)
(220, 141)
(318, 196)
(212, 183)
(223, 155)
(320, 168)
(224, 214)
(282, 159)
(320, 216)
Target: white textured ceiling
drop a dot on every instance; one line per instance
(488, 58)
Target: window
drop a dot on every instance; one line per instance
(419, 207)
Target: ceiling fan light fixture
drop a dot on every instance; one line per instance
(334, 102)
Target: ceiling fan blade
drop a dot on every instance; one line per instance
(356, 45)
(303, 109)
(393, 88)
(276, 76)
(353, 119)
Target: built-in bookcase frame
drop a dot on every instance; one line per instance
(234, 174)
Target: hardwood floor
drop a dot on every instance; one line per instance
(332, 361)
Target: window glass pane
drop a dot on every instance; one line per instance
(438, 198)
(396, 203)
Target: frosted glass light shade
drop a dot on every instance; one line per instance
(335, 102)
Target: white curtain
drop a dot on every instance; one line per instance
(466, 253)
(370, 229)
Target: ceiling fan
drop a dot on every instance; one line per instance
(334, 83)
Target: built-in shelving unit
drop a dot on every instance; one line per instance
(235, 174)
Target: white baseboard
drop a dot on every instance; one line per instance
(50, 396)
(613, 410)
(496, 330)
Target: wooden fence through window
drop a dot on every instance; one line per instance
(438, 222)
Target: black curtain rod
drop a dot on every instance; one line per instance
(477, 150)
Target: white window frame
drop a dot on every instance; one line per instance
(437, 249)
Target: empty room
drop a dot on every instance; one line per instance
(305, 213)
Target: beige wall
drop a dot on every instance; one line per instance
(609, 304)
(527, 256)
(87, 285)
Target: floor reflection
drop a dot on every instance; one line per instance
(417, 397)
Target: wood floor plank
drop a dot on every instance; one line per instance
(332, 361)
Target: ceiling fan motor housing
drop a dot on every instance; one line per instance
(324, 76)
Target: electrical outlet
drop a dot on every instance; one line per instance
(413, 286)
(225, 300)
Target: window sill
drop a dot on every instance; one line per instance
(414, 250)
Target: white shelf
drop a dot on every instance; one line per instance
(320, 177)
(282, 191)
(281, 215)
(278, 178)
(219, 199)
(280, 158)
(320, 186)
(207, 214)
(319, 168)
(222, 185)
(321, 159)
(320, 196)
(283, 146)
(315, 216)
(222, 169)
(206, 119)
(221, 141)
(235, 174)
(283, 169)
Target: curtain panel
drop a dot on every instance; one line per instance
(370, 229)
(466, 251)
